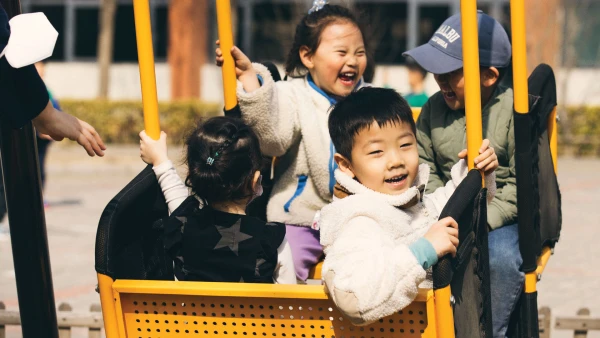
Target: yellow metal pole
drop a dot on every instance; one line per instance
(415, 113)
(521, 89)
(443, 313)
(431, 329)
(468, 10)
(108, 306)
(226, 40)
(143, 35)
(553, 134)
(519, 50)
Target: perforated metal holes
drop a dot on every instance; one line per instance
(173, 316)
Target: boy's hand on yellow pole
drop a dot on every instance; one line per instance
(487, 160)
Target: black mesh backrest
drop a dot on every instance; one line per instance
(542, 84)
(538, 195)
(128, 240)
(468, 272)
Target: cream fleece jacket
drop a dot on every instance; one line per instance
(369, 269)
(290, 119)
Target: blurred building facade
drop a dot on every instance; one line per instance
(265, 30)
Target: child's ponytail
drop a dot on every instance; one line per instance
(222, 156)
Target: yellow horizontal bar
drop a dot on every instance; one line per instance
(251, 290)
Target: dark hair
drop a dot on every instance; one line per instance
(411, 64)
(360, 109)
(308, 33)
(235, 150)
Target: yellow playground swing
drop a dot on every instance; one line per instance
(140, 299)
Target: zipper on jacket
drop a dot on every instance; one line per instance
(299, 189)
(332, 167)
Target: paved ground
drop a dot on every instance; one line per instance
(79, 188)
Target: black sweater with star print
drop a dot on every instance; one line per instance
(214, 246)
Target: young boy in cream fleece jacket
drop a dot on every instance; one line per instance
(381, 235)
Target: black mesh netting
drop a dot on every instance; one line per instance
(129, 236)
(538, 194)
(468, 272)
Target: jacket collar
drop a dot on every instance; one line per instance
(347, 185)
(332, 99)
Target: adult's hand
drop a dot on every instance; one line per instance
(59, 125)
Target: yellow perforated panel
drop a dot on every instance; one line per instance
(159, 315)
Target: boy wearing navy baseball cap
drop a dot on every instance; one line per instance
(441, 136)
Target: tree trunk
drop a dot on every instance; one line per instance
(105, 44)
(543, 32)
(187, 46)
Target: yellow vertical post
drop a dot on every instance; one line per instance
(521, 89)
(143, 33)
(226, 42)
(519, 50)
(470, 38)
(443, 313)
(108, 306)
(553, 135)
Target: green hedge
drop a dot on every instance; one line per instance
(121, 121)
(579, 131)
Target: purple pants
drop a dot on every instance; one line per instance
(306, 248)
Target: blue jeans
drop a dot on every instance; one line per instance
(506, 280)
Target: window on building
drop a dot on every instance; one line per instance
(430, 18)
(125, 47)
(386, 30)
(86, 32)
(56, 16)
(582, 48)
(161, 32)
(273, 30)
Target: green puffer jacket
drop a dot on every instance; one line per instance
(441, 135)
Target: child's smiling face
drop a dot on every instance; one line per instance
(384, 158)
(452, 86)
(340, 60)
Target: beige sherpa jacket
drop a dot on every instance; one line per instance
(290, 119)
(369, 269)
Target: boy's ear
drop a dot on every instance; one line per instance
(489, 76)
(306, 57)
(344, 164)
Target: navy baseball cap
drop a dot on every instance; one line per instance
(443, 53)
